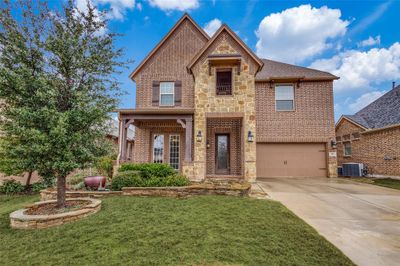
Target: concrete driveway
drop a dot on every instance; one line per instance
(362, 220)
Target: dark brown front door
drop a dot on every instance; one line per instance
(222, 154)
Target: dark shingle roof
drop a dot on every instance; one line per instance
(383, 112)
(273, 69)
(358, 119)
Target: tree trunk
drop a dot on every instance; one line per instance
(61, 191)
(28, 180)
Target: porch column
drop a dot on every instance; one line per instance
(188, 139)
(123, 140)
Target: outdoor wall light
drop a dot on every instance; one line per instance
(250, 136)
(333, 144)
(199, 137)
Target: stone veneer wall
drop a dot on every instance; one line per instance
(241, 101)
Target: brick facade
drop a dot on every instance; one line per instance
(379, 150)
(312, 121)
(186, 55)
(169, 64)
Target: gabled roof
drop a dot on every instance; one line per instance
(180, 21)
(225, 28)
(356, 121)
(278, 70)
(383, 112)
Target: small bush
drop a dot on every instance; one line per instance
(126, 179)
(134, 179)
(79, 186)
(11, 186)
(76, 178)
(105, 166)
(169, 181)
(38, 186)
(148, 170)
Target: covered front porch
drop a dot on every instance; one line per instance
(161, 136)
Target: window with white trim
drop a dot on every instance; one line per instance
(174, 149)
(158, 148)
(284, 97)
(167, 96)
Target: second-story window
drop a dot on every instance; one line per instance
(224, 82)
(167, 93)
(284, 97)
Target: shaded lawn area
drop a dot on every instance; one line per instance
(204, 230)
(383, 182)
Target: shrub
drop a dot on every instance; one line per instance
(134, 179)
(148, 170)
(38, 186)
(105, 166)
(11, 186)
(126, 179)
(79, 186)
(169, 181)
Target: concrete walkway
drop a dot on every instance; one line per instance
(362, 220)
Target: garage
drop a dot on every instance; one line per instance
(291, 160)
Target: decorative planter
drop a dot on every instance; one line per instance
(20, 220)
(94, 182)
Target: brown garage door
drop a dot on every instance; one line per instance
(291, 160)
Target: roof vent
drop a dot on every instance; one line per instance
(393, 84)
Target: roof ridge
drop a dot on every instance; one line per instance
(223, 27)
(309, 68)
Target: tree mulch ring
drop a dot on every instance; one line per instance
(51, 208)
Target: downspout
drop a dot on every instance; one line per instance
(119, 142)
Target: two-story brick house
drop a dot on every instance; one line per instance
(212, 108)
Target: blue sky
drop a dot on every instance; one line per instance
(356, 40)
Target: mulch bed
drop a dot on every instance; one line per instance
(51, 208)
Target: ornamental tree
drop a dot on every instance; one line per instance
(55, 108)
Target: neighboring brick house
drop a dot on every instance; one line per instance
(113, 136)
(372, 136)
(212, 109)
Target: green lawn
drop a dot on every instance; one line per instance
(383, 182)
(387, 182)
(208, 230)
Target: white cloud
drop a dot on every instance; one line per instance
(139, 6)
(212, 26)
(170, 5)
(365, 99)
(298, 33)
(371, 41)
(117, 7)
(360, 70)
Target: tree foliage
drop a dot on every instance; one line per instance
(56, 87)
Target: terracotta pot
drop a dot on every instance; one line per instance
(94, 182)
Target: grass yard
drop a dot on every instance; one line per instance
(383, 182)
(208, 230)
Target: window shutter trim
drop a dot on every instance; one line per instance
(178, 93)
(156, 93)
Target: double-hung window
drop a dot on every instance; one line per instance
(347, 148)
(167, 96)
(284, 97)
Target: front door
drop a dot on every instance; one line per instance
(222, 154)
